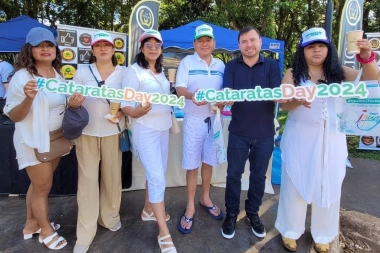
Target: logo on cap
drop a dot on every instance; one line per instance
(100, 35)
(204, 30)
(313, 34)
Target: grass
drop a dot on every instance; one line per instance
(352, 142)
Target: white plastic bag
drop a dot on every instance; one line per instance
(220, 149)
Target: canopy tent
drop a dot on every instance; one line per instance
(14, 31)
(181, 39)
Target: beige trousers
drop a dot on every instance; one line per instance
(97, 205)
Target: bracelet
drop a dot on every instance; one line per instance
(369, 60)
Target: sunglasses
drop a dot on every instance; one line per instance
(151, 46)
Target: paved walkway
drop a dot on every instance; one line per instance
(360, 193)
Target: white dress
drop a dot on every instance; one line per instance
(313, 153)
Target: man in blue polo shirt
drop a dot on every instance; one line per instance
(199, 71)
(251, 130)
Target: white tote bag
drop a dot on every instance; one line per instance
(220, 149)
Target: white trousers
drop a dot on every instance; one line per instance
(153, 148)
(291, 215)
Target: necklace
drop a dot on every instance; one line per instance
(315, 77)
(47, 74)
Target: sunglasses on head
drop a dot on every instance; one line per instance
(151, 46)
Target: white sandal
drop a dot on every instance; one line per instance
(54, 226)
(151, 217)
(53, 245)
(161, 242)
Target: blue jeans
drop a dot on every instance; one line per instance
(258, 151)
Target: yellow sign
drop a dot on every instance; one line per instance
(119, 43)
(120, 58)
(68, 71)
(375, 43)
(68, 54)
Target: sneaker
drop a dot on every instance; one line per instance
(257, 227)
(228, 227)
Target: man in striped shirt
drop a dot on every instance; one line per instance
(199, 71)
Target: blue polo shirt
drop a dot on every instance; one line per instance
(252, 118)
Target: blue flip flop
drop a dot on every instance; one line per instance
(212, 208)
(187, 220)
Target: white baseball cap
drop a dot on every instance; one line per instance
(101, 36)
(203, 30)
(315, 34)
(150, 33)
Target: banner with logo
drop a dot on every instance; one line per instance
(352, 19)
(74, 43)
(144, 16)
(357, 116)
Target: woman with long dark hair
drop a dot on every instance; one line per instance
(313, 153)
(98, 147)
(36, 113)
(151, 125)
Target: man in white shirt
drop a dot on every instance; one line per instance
(199, 71)
(6, 69)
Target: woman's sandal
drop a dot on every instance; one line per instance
(29, 236)
(151, 217)
(54, 245)
(321, 247)
(289, 244)
(168, 249)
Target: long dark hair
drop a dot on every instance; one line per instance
(142, 62)
(25, 60)
(332, 68)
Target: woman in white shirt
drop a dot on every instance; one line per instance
(150, 126)
(99, 144)
(313, 153)
(36, 113)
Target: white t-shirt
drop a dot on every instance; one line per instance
(194, 73)
(98, 107)
(141, 79)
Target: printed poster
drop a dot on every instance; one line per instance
(361, 117)
(74, 43)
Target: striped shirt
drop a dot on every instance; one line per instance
(194, 73)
